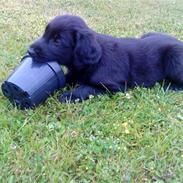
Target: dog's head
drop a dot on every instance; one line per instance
(68, 40)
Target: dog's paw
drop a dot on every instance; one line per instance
(69, 97)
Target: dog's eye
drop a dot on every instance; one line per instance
(56, 38)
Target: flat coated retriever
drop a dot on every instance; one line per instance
(100, 63)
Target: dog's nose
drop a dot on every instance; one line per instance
(31, 51)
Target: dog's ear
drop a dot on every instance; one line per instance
(87, 49)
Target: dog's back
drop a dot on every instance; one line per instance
(140, 62)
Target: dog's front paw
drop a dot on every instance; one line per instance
(69, 97)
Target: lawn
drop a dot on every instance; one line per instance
(129, 137)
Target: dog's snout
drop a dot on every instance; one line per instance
(31, 51)
(34, 51)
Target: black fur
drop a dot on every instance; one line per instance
(99, 62)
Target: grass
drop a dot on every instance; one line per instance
(131, 137)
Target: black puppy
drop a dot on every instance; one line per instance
(99, 62)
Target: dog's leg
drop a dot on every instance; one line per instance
(173, 60)
(71, 77)
(79, 94)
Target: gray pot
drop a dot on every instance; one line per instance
(32, 82)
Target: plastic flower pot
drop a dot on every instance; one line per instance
(32, 82)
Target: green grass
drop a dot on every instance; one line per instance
(131, 137)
